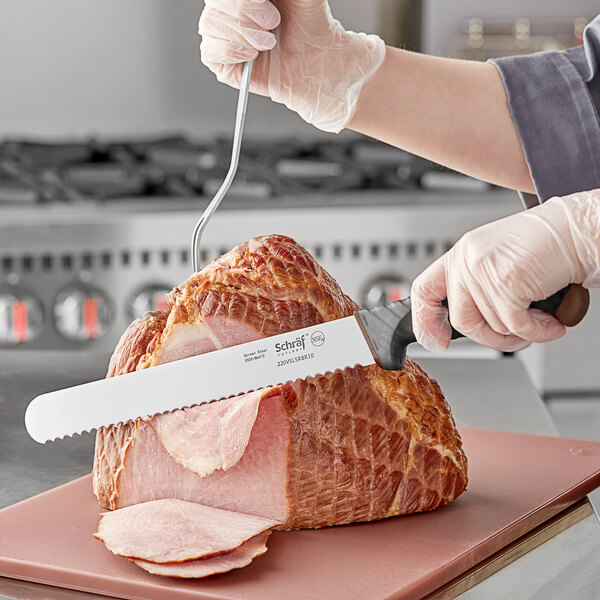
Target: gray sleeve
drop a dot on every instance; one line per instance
(554, 100)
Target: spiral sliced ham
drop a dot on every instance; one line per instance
(354, 445)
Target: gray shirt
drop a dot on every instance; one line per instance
(554, 100)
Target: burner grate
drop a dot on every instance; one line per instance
(95, 172)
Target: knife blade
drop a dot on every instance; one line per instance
(197, 380)
(378, 335)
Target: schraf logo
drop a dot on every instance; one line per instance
(292, 345)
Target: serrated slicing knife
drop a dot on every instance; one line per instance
(378, 335)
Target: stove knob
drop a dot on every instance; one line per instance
(148, 299)
(21, 318)
(385, 290)
(82, 314)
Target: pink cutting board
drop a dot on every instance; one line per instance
(516, 482)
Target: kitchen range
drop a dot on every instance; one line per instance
(93, 234)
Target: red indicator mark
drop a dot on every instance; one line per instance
(20, 327)
(396, 292)
(90, 318)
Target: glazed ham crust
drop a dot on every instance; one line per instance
(139, 339)
(356, 445)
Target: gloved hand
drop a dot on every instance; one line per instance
(491, 276)
(311, 64)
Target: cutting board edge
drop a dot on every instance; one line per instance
(67, 577)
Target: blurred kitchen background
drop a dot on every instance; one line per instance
(113, 138)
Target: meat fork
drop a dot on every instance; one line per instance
(240, 119)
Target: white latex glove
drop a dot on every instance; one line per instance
(491, 276)
(312, 64)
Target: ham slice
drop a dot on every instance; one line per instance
(172, 531)
(240, 557)
(354, 445)
(226, 427)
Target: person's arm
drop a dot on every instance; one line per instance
(453, 112)
(450, 111)
(529, 123)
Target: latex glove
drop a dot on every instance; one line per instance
(491, 276)
(312, 64)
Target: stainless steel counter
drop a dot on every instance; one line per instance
(496, 394)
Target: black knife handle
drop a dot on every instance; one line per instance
(388, 328)
(388, 331)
